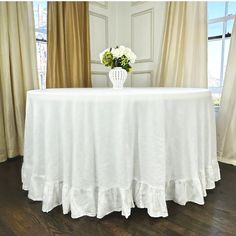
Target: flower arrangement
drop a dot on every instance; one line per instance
(119, 56)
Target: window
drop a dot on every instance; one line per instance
(40, 19)
(220, 23)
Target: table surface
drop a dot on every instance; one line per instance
(100, 150)
(124, 91)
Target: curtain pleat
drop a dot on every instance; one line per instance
(184, 50)
(18, 73)
(68, 45)
(226, 121)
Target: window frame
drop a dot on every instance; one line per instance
(222, 37)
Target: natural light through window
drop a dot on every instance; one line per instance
(40, 19)
(220, 23)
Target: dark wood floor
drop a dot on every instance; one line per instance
(21, 216)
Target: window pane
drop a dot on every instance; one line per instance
(229, 26)
(214, 62)
(216, 9)
(40, 19)
(215, 29)
(232, 8)
(41, 48)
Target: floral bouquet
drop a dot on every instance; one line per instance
(119, 56)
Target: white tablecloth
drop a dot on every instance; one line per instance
(96, 151)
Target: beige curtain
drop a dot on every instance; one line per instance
(183, 61)
(226, 122)
(68, 45)
(18, 73)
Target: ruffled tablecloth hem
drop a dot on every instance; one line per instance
(100, 201)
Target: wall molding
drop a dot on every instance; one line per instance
(133, 4)
(102, 73)
(105, 18)
(151, 12)
(100, 4)
(150, 72)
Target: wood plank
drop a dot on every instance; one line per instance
(21, 216)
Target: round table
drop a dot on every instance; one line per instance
(96, 151)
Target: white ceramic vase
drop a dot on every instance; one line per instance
(118, 76)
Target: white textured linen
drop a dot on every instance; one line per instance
(101, 150)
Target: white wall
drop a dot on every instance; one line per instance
(138, 25)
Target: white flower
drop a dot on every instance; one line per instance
(127, 52)
(132, 57)
(115, 52)
(118, 52)
(122, 50)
